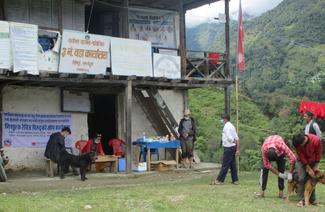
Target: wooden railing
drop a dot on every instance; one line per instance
(201, 64)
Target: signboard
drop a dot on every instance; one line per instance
(131, 57)
(5, 50)
(157, 27)
(167, 66)
(76, 101)
(24, 47)
(84, 53)
(31, 130)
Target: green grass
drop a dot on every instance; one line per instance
(174, 194)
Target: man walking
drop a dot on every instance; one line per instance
(275, 149)
(230, 143)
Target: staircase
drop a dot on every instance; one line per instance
(157, 111)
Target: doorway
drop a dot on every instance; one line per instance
(103, 119)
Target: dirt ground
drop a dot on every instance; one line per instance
(37, 181)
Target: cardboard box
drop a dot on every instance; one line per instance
(140, 167)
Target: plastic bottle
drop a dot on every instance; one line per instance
(144, 136)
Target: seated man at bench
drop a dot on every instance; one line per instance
(55, 145)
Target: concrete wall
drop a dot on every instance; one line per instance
(48, 100)
(34, 100)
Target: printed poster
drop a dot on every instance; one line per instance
(31, 130)
(131, 57)
(24, 42)
(168, 66)
(157, 27)
(5, 50)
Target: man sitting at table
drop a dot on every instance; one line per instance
(187, 134)
(94, 145)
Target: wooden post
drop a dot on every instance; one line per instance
(148, 160)
(227, 100)
(227, 39)
(60, 15)
(227, 69)
(2, 10)
(128, 120)
(182, 51)
(125, 19)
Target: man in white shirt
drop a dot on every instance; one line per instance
(230, 143)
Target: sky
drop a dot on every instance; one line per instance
(208, 12)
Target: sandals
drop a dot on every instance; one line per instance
(216, 182)
(301, 204)
(259, 195)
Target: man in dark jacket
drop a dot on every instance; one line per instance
(187, 134)
(56, 144)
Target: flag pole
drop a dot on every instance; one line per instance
(237, 114)
(240, 66)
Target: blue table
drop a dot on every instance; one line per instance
(157, 144)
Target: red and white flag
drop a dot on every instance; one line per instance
(240, 42)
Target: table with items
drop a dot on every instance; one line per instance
(149, 143)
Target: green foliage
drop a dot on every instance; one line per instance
(207, 105)
(285, 55)
(251, 160)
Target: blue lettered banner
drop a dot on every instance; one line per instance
(31, 130)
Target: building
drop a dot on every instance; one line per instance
(120, 106)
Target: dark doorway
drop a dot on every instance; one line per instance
(104, 20)
(103, 119)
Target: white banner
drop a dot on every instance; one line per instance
(167, 66)
(24, 47)
(31, 130)
(84, 53)
(157, 27)
(5, 50)
(131, 57)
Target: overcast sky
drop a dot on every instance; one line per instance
(208, 12)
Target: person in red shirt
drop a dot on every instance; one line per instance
(275, 149)
(309, 150)
(94, 145)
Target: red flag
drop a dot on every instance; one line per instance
(240, 42)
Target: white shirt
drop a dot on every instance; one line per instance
(316, 128)
(229, 135)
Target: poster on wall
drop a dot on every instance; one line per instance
(131, 57)
(31, 130)
(83, 53)
(167, 66)
(24, 47)
(5, 50)
(157, 27)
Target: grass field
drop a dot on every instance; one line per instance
(171, 192)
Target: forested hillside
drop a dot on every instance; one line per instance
(285, 56)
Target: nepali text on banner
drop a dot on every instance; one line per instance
(31, 130)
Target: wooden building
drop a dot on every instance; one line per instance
(122, 106)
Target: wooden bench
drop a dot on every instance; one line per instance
(104, 161)
(49, 167)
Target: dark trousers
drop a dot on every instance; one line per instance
(302, 178)
(228, 161)
(265, 173)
